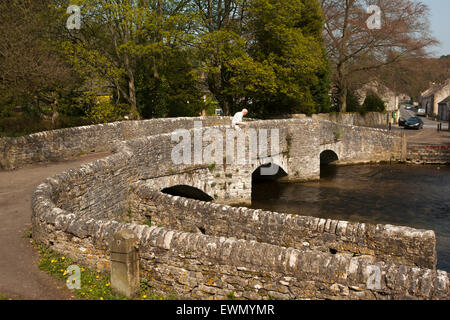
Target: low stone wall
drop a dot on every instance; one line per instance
(197, 266)
(355, 144)
(63, 144)
(400, 245)
(370, 119)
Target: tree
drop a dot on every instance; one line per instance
(357, 51)
(221, 41)
(32, 71)
(287, 37)
(264, 54)
(373, 103)
(119, 37)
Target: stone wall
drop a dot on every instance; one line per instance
(370, 119)
(197, 266)
(400, 245)
(355, 144)
(67, 143)
(434, 154)
(77, 212)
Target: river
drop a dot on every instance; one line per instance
(413, 196)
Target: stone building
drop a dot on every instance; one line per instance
(430, 99)
(390, 98)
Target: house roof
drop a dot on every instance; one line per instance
(445, 101)
(435, 88)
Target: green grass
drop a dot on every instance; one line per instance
(3, 298)
(94, 284)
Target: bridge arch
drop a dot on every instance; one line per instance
(268, 171)
(328, 156)
(186, 191)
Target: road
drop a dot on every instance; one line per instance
(427, 136)
(20, 277)
(427, 123)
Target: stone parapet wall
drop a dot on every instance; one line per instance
(62, 144)
(370, 119)
(359, 144)
(399, 245)
(197, 266)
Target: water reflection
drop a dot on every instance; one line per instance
(414, 196)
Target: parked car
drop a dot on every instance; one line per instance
(409, 107)
(401, 122)
(421, 112)
(414, 123)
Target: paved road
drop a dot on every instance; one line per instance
(429, 135)
(19, 274)
(427, 123)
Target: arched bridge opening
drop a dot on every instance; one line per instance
(269, 172)
(327, 158)
(264, 182)
(187, 192)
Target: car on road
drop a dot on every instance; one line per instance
(421, 112)
(401, 122)
(414, 123)
(409, 107)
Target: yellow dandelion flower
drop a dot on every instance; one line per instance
(101, 298)
(108, 284)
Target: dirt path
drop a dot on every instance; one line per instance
(20, 277)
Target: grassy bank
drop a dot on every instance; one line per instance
(94, 284)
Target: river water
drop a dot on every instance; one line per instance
(413, 196)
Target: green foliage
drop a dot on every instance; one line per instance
(95, 285)
(374, 103)
(353, 102)
(337, 135)
(168, 58)
(288, 39)
(105, 111)
(174, 93)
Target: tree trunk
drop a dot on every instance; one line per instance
(343, 99)
(342, 86)
(133, 102)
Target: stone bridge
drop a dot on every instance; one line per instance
(206, 249)
(302, 145)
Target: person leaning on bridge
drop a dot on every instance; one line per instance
(238, 119)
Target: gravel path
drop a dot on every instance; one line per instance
(20, 277)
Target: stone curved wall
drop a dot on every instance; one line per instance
(78, 211)
(66, 143)
(400, 245)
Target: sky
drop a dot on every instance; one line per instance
(440, 24)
